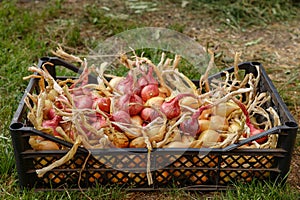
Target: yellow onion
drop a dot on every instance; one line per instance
(234, 127)
(203, 124)
(133, 133)
(187, 139)
(120, 140)
(39, 144)
(138, 142)
(136, 120)
(114, 82)
(155, 101)
(225, 109)
(155, 132)
(209, 138)
(215, 122)
(190, 102)
(177, 144)
(196, 144)
(206, 114)
(218, 123)
(163, 92)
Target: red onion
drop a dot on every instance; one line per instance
(61, 101)
(171, 108)
(253, 130)
(80, 91)
(123, 102)
(121, 116)
(83, 101)
(145, 80)
(52, 124)
(257, 131)
(149, 77)
(100, 123)
(51, 113)
(103, 103)
(149, 91)
(93, 117)
(142, 82)
(71, 135)
(82, 80)
(191, 126)
(149, 114)
(126, 84)
(136, 103)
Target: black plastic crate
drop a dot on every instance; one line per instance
(190, 169)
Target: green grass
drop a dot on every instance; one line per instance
(106, 24)
(97, 193)
(239, 15)
(26, 34)
(260, 190)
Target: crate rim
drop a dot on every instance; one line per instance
(284, 154)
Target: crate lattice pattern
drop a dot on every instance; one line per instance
(167, 170)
